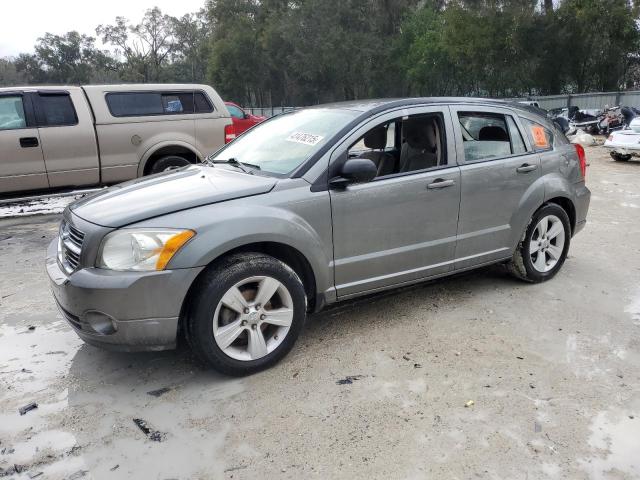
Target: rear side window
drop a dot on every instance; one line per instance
(55, 110)
(235, 111)
(489, 135)
(12, 113)
(541, 137)
(134, 104)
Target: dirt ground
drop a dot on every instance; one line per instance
(553, 371)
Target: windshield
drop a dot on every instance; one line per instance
(282, 144)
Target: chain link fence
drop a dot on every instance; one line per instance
(269, 111)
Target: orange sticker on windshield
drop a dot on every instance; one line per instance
(539, 137)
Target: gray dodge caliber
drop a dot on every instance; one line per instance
(310, 208)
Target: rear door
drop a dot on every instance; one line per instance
(21, 162)
(65, 126)
(499, 174)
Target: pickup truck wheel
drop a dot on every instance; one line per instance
(619, 157)
(247, 313)
(170, 162)
(544, 246)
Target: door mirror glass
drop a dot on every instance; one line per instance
(355, 170)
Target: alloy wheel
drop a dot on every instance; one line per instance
(252, 318)
(547, 243)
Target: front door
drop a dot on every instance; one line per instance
(241, 122)
(401, 226)
(21, 161)
(498, 169)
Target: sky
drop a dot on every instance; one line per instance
(19, 32)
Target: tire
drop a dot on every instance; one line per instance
(539, 266)
(619, 157)
(225, 309)
(170, 162)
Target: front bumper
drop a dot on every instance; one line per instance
(124, 311)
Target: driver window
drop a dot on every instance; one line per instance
(12, 113)
(405, 144)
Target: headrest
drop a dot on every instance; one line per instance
(376, 138)
(493, 133)
(420, 133)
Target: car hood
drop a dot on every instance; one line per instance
(167, 192)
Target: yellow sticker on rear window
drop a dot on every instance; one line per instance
(539, 136)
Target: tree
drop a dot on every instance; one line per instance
(9, 74)
(602, 37)
(191, 48)
(71, 58)
(145, 46)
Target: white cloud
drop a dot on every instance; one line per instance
(20, 31)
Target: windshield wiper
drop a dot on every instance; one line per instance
(245, 167)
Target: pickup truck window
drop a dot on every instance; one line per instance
(55, 110)
(134, 104)
(12, 113)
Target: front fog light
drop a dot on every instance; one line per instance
(141, 250)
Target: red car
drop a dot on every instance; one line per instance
(242, 121)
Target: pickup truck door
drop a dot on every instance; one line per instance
(68, 138)
(21, 162)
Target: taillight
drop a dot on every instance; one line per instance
(583, 159)
(229, 133)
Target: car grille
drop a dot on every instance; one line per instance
(69, 246)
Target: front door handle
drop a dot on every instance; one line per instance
(27, 142)
(440, 183)
(524, 168)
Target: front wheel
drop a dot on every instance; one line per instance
(544, 247)
(247, 313)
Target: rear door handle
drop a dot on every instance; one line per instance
(440, 183)
(27, 142)
(526, 168)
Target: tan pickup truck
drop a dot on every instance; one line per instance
(53, 137)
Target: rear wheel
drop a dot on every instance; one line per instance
(544, 247)
(619, 157)
(247, 313)
(170, 162)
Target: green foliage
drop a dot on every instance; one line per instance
(300, 52)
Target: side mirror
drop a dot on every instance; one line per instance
(245, 115)
(354, 170)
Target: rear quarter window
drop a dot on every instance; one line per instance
(540, 136)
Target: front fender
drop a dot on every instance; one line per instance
(223, 227)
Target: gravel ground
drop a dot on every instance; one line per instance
(475, 376)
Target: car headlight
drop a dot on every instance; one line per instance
(141, 250)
